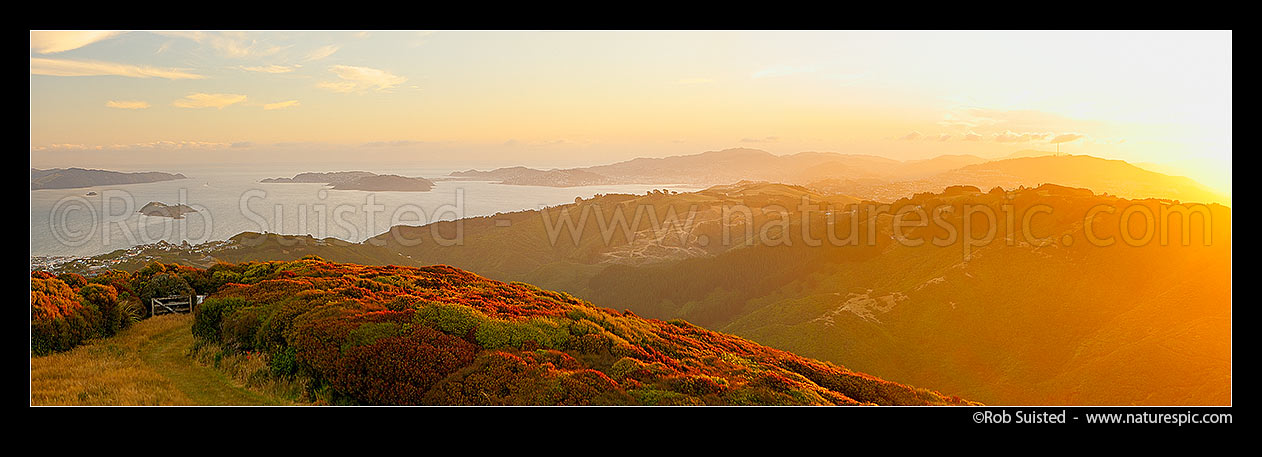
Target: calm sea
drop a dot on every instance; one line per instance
(69, 222)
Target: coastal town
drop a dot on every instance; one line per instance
(133, 257)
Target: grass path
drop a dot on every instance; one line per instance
(166, 354)
(143, 365)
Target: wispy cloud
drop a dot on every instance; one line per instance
(911, 136)
(173, 145)
(271, 68)
(237, 45)
(392, 144)
(954, 123)
(297, 144)
(543, 143)
(51, 42)
(1066, 137)
(1009, 136)
(1015, 120)
(1015, 126)
(200, 100)
(62, 67)
(127, 104)
(152, 145)
(355, 79)
(321, 52)
(281, 105)
(68, 147)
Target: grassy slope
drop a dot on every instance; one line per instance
(143, 365)
(1085, 325)
(1017, 325)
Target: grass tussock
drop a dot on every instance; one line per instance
(154, 362)
(108, 371)
(253, 371)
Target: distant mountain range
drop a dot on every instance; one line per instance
(360, 180)
(705, 169)
(523, 176)
(867, 176)
(71, 178)
(1115, 177)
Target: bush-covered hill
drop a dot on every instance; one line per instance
(444, 336)
(1012, 321)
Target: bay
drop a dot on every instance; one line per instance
(69, 222)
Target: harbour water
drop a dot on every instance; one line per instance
(74, 222)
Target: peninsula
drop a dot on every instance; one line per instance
(360, 180)
(72, 178)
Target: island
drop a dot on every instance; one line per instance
(360, 180)
(71, 178)
(322, 178)
(386, 183)
(523, 176)
(163, 210)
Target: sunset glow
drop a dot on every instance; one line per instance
(550, 99)
(1029, 227)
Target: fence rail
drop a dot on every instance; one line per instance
(173, 305)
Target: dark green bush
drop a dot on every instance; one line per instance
(284, 362)
(238, 327)
(161, 285)
(105, 300)
(208, 319)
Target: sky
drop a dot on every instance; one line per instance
(161, 100)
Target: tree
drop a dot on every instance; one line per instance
(105, 300)
(162, 285)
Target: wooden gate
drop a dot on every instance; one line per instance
(173, 305)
